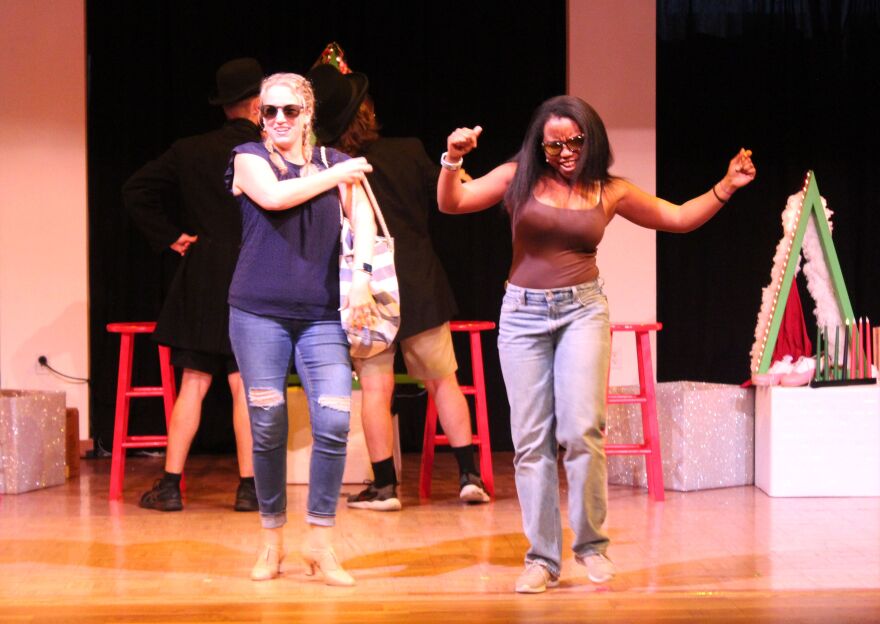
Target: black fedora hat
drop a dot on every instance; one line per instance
(337, 98)
(236, 80)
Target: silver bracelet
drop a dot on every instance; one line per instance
(450, 166)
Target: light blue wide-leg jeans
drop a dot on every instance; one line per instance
(264, 348)
(554, 347)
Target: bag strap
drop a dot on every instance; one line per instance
(327, 166)
(377, 212)
(368, 190)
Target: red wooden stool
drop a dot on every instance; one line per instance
(646, 396)
(478, 391)
(125, 392)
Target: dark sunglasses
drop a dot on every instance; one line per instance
(290, 111)
(554, 148)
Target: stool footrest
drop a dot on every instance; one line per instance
(443, 440)
(145, 391)
(618, 399)
(627, 449)
(145, 441)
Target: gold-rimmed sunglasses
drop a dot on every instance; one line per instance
(554, 148)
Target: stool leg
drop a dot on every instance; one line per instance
(428, 450)
(650, 426)
(482, 413)
(120, 427)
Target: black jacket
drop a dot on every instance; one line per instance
(183, 191)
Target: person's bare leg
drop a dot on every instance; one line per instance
(455, 418)
(185, 418)
(241, 423)
(376, 394)
(165, 494)
(381, 494)
(452, 409)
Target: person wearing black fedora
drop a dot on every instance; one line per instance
(180, 202)
(404, 179)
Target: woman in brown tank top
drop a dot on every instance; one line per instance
(554, 338)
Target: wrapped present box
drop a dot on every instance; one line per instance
(299, 441)
(707, 436)
(32, 440)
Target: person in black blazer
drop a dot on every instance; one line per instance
(206, 231)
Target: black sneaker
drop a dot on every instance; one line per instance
(165, 496)
(377, 499)
(246, 496)
(472, 489)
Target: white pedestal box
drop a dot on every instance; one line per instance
(818, 441)
(299, 441)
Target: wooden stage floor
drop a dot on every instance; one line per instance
(728, 555)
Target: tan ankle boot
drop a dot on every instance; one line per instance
(324, 559)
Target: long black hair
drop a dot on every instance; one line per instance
(532, 164)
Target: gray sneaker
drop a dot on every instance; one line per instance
(535, 579)
(377, 499)
(600, 569)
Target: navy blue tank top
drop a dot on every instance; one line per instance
(288, 266)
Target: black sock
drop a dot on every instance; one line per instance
(383, 473)
(246, 480)
(170, 477)
(464, 455)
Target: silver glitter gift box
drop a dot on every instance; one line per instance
(707, 436)
(32, 439)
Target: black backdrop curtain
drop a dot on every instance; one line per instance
(795, 82)
(792, 81)
(432, 66)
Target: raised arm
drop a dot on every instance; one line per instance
(644, 209)
(255, 178)
(453, 197)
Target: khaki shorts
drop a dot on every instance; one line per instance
(427, 355)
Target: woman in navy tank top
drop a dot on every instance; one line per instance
(284, 308)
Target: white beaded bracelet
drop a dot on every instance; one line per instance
(450, 166)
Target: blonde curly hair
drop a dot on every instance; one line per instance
(301, 87)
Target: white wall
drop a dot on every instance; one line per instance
(612, 65)
(43, 215)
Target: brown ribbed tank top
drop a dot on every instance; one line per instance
(555, 247)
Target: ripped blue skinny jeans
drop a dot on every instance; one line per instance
(264, 348)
